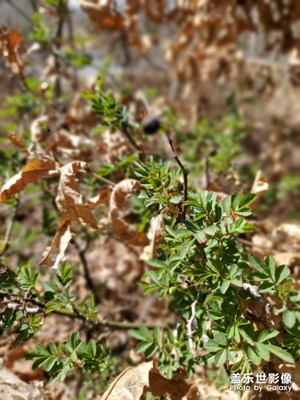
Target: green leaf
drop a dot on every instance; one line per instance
(212, 346)
(289, 318)
(186, 248)
(246, 337)
(136, 334)
(271, 265)
(157, 336)
(267, 334)
(252, 354)
(220, 338)
(224, 286)
(226, 204)
(263, 351)
(151, 350)
(257, 263)
(144, 331)
(281, 273)
(279, 352)
(220, 357)
(141, 347)
(246, 200)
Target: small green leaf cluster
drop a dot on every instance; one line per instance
(211, 280)
(161, 183)
(172, 349)
(60, 359)
(111, 113)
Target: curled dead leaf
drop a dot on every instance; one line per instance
(69, 200)
(30, 173)
(155, 236)
(121, 228)
(54, 254)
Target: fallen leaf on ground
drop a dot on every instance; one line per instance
(176, 388)
(30, 173)
(129, 385)
(134, 381)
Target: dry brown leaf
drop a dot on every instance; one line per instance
(134, 381)
(99, 199)
(129, 385)
(14, 40)
(155, 235)
(19, 142)
(260, 185)
(69, 200)
(54, 254)
(121, 228)
(176, 388)
(30, 173)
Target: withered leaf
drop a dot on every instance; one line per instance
(260, 185)
(14, 40)
(176, 388)
(54, 254)
(121, 228)
(129, 385)
(19, 142)
(69, 200)
(99, 199)
(30, 173)
(155, 236)
(134, 381)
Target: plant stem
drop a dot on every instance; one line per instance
(185, 180)
(94, 324)
(86, 271)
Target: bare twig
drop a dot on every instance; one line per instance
(185, 179)
(126, 132)
(86, 270)
(190, 329)
(102, 179)
(94, 324)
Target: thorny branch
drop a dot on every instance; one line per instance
(92, 323)
(185, 179)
